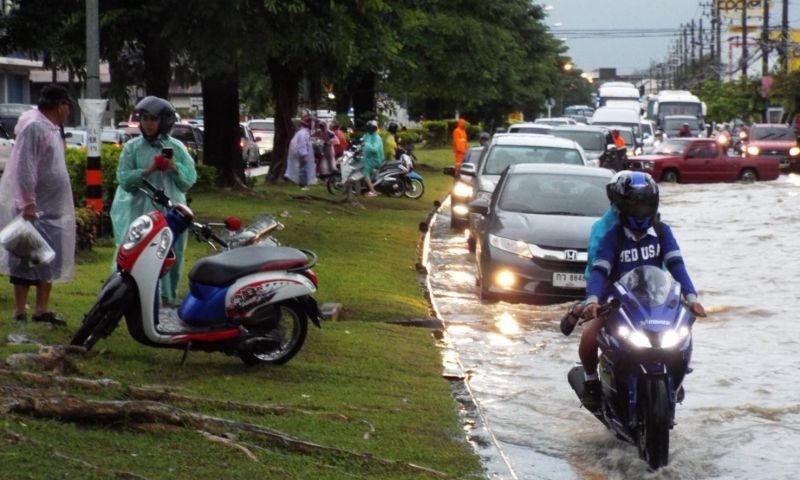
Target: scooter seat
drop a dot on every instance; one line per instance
(224, 268)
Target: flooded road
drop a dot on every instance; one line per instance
(741, 416)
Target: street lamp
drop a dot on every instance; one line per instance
(568, 66)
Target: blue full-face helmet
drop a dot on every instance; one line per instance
(635, 196)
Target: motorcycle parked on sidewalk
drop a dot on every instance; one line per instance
(253, 302)
(646, 346)
(394, 178)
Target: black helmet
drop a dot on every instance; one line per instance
(635, 196)
(392, 127)
(159, 108)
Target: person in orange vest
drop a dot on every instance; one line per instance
(618, 140)
(459, 143)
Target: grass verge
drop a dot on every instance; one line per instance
(384, 381)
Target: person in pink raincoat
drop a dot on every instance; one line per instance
(36, 185)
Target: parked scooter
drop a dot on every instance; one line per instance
(253, 302)
(394, 178)
(645, 348)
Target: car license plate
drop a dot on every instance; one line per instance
(569, 280)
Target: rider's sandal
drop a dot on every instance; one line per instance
(569, 320)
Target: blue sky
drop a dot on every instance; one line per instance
(629, 54)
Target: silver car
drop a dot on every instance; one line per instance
(508, 149)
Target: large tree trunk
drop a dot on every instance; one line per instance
(157, 72)
(221, 135)
(364, 108)
(285, 84)
(343, 99)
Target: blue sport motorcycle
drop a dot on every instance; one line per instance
(645, 348)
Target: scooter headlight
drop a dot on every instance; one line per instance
(138, 230)
(163, 245)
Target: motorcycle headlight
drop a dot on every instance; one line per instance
(671, 338)
(753, 150)
(794, 151)
(139, 229)
(637, 339)
(462, 190)
(517, 247)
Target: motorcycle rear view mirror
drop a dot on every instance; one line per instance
(233, 224)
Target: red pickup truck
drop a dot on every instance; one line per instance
(702, 160)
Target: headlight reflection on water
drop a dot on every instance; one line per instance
(507, 324)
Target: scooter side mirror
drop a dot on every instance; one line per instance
(233, 224)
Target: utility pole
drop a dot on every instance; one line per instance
(743, 60)
(685, 55)
(713, 19)
(718, 28)
(785, 36)
(693, 44)
(93, 108)
(702, 73)
(765, 41)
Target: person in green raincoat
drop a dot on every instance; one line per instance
(373, 154)
(137, 162)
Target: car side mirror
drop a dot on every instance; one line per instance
(467, 169)
(450, 171)
(479, 206)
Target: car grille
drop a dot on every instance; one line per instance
(559, 265)
(774, 152)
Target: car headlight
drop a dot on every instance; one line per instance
(753, 150)
(637, 151)
(139, 229)
(646, 165)
(517, 247)
(462, 190)
(794, 151)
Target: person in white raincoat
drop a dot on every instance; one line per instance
(36, 185)
(138, 161)
(300, 166)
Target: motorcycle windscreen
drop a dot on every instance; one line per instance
(648, 284)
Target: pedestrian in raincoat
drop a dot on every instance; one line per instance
(390, 143)
(300, 165)
(137, 162)
(459, 143)
(36, 185)
(338, 149)
(373, 154)
(327, 164)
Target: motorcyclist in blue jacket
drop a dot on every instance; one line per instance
(638, 239)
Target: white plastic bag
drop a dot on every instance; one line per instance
(22, 239)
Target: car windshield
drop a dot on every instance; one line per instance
(679, 108)
(647, 129)
(540, 130)
(671, 147)
(501, 156)
(593, 141)
(555, 194)
(677, 123)
(263, 126)
(772, 133)
(648, 284)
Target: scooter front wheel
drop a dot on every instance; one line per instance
(288, 330)
(416, 189)
(93, 328)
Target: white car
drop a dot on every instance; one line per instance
(76, 137)
(555, 121)
(264, 130)
(528, 127)
(6, 145)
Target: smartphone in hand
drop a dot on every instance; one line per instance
(167, 152)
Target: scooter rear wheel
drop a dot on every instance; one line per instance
(291, 326)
